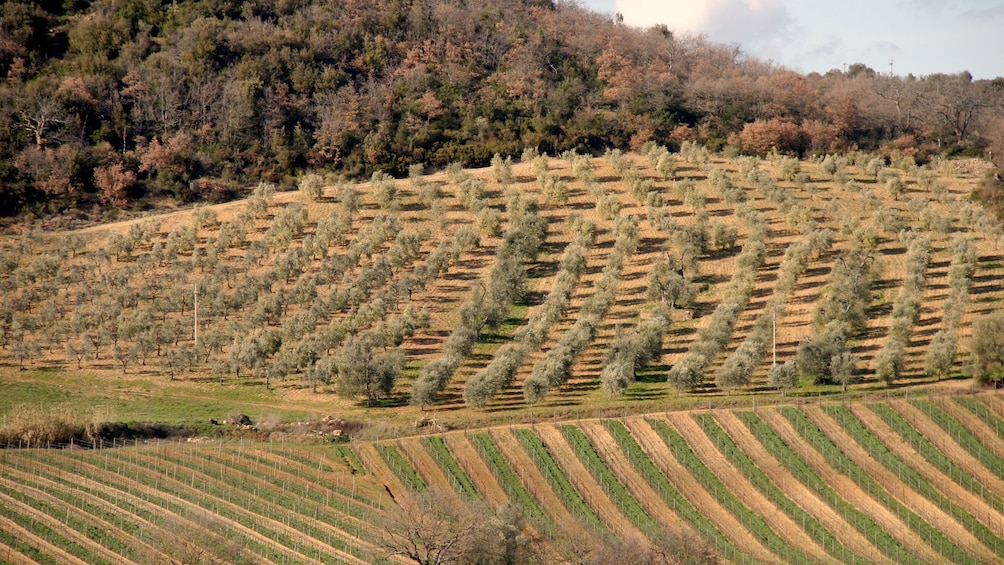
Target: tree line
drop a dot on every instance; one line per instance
(111, 105)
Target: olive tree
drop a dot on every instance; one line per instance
(365, 369)
(783, 376)
(987, 349)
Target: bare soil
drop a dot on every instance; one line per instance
(795, 490)
(741, 487)
(919, 504)
(850, 491)
(695, 493)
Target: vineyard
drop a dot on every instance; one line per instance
(916, 480)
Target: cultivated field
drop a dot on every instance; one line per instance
(601, 331)
(287, 282)
(917, 480)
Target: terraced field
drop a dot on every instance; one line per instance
(902, 481)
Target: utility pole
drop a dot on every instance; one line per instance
(196, 288)
(775, 336)
(891, 61)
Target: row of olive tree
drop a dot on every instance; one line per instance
(556, 366)
(888, 363)
(841, 312)
(738, 368)
(712, 339)
(501, 371)
(489, 304)
(940, 358)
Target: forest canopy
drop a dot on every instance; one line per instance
(119, 104)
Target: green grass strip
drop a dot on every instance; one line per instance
(459, 480)
(615, 489)
(753, 522)
(907, 474)
(843, 464)
(249, 507)
(962, 435)
(658, 481)
(23, 547)
(292, 497)
(548, 467)
(515, 490)
(934, 456)
(350, 459)
(765, 485)
(860, 521)
(401, 467)
(49, 535)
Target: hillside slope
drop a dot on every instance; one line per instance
(905, 481)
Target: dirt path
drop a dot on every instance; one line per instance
(646, 496)
(535, 483)
(800, 494)
(471, 462)
(741, 487)
(975, 505)
(918, 503)
(584, 482)
(947, 445)
(848, 489)
(695, 493)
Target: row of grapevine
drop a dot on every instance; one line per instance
(908, 475)
(455, 475)
(765, 485)
(844, 465)
(615, 489)
(937, 458)
(515, 490)
(857, 518)
(754, 523)
(549, 468)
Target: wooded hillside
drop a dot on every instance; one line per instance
(119, 103)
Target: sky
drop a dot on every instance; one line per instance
(922, 37)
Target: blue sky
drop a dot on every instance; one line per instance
(922, 36)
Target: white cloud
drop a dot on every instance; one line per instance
(747, 22)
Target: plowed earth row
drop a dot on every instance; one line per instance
(158, 490)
